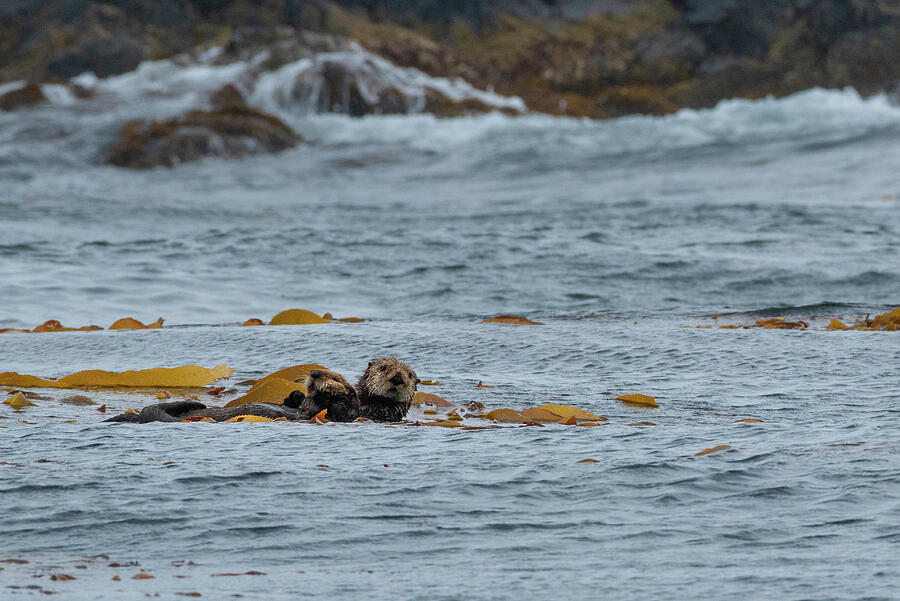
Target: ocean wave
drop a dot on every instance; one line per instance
(816, 114)
(809, 120)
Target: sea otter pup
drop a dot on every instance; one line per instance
(386, 390)
(326, 389)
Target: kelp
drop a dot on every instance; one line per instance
(294, 317)
(187, 376)
(425, 398)
(18, 402)
(288, 317)
(294, 373)
(638, 400)
(716, 449)
(884, 322)
(251, 418)
(271, 391)
(514, 320)
(130, 323)
(277, 386)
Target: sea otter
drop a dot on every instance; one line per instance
(325, 390)
(386, 390)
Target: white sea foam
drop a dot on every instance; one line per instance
(186, 82)
(815, 113)
(58, 94)
(11, 86)
(297, 86)
(159, 89)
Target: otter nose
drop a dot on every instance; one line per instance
(315, 373)
(397, 379)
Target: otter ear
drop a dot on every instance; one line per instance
(371, 363)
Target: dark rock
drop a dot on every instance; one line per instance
(27, 95)
(628, 100)
(737, 27)
(103, 56)
(665, 57)
(227, 97)
(481, 13)
(70, 10)
(333, 86)
(11, 8)
(443, 106)
(865, 59)
(228, 133)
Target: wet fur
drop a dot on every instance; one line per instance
(180, 410)
(326, 389)
(386, 390)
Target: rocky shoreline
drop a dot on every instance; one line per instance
(593, 58)
(583, 58)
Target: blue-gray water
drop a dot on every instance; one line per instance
(614, 234)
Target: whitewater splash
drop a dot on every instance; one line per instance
(350, 81)
(308, 86)
(316, 95)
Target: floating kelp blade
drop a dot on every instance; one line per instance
(295, 373)
(18, 401)
(721, 447)
(426, 398)
(513, 320)
(187, 376)
(638, 400)
(274, 391)
(887, 321)
(130, 323)
(568, 410)
(52, 325)
(295, 317)
(509, 416)
(539, 414)
(442, 423)
(249, 418)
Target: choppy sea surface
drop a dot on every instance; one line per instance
(613, 234)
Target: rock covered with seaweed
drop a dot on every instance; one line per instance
(601, 58)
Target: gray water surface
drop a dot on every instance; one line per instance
(613, 234)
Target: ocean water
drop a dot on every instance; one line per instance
(613, 234)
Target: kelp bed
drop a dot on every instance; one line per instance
(209, 385)
(889, 321)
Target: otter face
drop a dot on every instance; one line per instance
(390, 378)
(327, 381)
(326, 389)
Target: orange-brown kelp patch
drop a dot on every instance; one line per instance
(885, 322)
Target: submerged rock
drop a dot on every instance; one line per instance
(27, 95)
(229, 132)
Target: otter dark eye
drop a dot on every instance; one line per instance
(384, 368)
